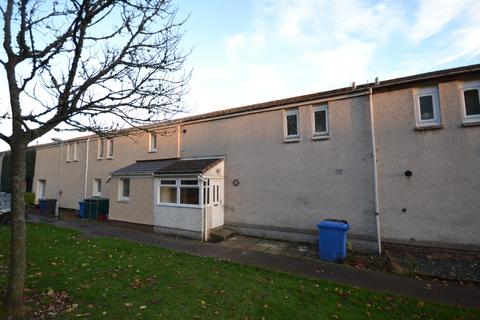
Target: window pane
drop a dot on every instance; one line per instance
(168, 194)
(110, 148)
(189, 195)
(292, 125)
(472, 103)
(169, 182)
(126, 188)
(426, 108)
(189, 182)
(321, 121)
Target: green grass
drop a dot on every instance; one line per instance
(115, 279)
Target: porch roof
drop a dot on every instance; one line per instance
(167, 166)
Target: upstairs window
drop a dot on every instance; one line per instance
(75, 151)
(471, 102)
(110, 149)
(291, 124)
(124, 190)
(152, 142)
(100, 149)
(427, 109)
(68, 153)
(320, 121)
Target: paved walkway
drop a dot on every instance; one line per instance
(450, 293)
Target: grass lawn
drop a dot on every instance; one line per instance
(114, 279)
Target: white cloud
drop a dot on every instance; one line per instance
(434, 15)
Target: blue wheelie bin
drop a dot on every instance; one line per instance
(332, 239)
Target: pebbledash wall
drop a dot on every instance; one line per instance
(284, 188)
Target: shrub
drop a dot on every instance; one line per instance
(29, 198)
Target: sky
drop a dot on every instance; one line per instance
(251, 51)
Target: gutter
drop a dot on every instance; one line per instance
(375, 172)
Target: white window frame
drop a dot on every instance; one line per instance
(469, 85)
(423, 92)
(286, 113)
(41, 186)
(324, 134)
(68, 153)
(96, 184)
(110, 149)
(121, 197)
(179, 186)
(75, 151)
(100, 149)
(150, 142)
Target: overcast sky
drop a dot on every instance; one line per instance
(249, 51)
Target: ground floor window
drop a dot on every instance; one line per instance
(124, 190)
(179, 192)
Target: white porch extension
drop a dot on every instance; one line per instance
(188, 194)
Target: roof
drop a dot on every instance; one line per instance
(381, 86)
(167, 166)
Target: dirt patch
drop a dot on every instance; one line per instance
(442, 268)
(48, 305)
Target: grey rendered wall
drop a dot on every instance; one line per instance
(442, 199)
(292, 185)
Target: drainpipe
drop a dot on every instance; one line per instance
(204, 212)
(86, 169)
(179, 141)
(375, 172)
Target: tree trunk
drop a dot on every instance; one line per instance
(14, 303)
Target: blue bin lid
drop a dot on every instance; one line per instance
(333, 225)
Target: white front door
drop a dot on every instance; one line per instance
(217, 202)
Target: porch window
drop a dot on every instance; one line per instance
(189, 192)
(180, 192)
(168, 191)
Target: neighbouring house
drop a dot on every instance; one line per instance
(398, 159)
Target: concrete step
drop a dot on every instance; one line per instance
(220, 235)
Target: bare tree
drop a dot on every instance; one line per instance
(90, 65)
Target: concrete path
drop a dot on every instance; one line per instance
(450, 293)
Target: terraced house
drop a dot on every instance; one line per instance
(398, 159)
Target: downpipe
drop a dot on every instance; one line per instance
(375, 173)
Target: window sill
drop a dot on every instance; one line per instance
(290, 140)
(99, 158)
(123, 200)
(109, 158)
(321, 137)
(429, 127)
(152, 151)
(75, 160)
(177, 205)
(471, 122)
